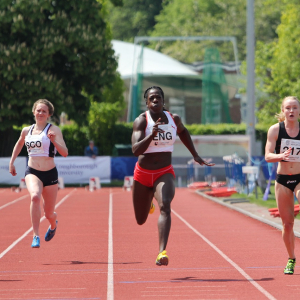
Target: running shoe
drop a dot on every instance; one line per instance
(152, 208)
(50, 233)
(35, 242)
(289, 269)
(162, 259)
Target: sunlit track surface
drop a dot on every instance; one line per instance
(99, 252)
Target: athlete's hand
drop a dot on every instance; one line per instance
(12, 170)
(51, 135)
(156, 129)
(286, 154)
(202, 162)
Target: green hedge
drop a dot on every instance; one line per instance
(77, 137)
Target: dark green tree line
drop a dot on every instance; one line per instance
(278, 65)
(214, 18)
(59, 50)
(133, 18)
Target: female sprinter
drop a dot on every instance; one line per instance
(42, 140)
(154, 133)
(283, 139)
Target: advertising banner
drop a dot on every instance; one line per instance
(79, 169)
(6, 177)
(73, 169)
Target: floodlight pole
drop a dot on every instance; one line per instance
(139, 39)
(250, 76)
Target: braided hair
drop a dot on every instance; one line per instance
(156, 88)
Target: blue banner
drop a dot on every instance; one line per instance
(122, 166)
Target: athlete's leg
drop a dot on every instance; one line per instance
(49, 196)
(164, 193)
(142, 197)
(35, 188)
(285, 203)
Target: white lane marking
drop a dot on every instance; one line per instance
(110, 266)
(29, 230)
(239, 269)
(12, 202)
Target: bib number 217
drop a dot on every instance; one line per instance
(297, 150)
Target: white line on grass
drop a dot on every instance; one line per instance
(239, 269)
(110, 266)
(29, 230)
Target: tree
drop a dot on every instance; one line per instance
(59, 50)
(133, 18)
(213, 18)
(103, 117)
(278, 66)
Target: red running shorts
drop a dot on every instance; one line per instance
(148, 177)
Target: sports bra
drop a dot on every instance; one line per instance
(282, 134)
(39, 144)
(162, 142)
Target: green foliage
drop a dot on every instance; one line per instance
(53, 50)
(286, 64)
(278, 66)
(205, 129)
(133, 18)
(76, 138)
(213, 18)
(103, 116)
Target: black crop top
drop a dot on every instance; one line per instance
(283, 135)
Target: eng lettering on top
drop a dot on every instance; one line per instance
(295, 145)
(163, 138)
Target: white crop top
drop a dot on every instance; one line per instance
(39, 144)
(162, 142)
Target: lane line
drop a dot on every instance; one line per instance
(110, 266)
(29, 230)
(12, 202)
(239, 269)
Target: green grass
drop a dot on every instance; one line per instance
(270, 203)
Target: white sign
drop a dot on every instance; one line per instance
(79, 169)
(73, 169)
(6, 177)
(295, 145)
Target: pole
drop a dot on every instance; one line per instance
(250, 76)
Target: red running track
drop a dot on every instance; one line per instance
(100, 253)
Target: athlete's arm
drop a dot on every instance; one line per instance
(56, 137)
(16, 151)
(186, 139)
(270, 156)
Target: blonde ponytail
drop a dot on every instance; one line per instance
(280, 117)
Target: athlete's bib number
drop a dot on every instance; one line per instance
(295, 145)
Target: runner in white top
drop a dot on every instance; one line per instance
(42, 140)
(283, 139)
(154, 133)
